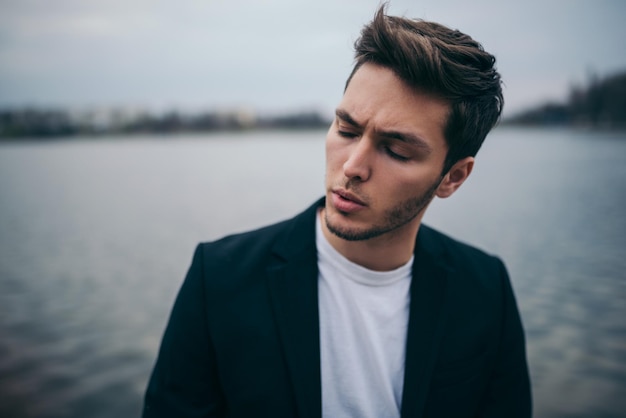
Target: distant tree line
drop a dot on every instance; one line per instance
(50, 123)
(600, 104)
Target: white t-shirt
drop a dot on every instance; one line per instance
(363, 325)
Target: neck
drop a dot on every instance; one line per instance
(383, 253)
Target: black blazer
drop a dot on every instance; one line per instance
(243, 336)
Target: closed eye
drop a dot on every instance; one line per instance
(395, 155)
(346, 134)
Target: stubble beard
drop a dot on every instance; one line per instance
(395, 218)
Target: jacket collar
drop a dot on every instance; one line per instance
(292, 281)
(427, 317)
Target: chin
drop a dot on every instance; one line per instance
(341, 226)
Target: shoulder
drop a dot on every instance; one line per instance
(300, 227)
(235, 255)
(471, 270)
(257, 240)
(252, 251)
(452, 250)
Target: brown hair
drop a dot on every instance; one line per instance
(440, 61)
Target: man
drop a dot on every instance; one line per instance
(353, 308)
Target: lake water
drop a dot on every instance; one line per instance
(96, 236)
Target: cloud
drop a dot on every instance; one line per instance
(273, 53)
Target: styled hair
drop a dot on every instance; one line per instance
(445, 63)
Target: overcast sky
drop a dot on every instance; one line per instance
(276, 55)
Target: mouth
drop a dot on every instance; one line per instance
(346, 195)
(346, 202)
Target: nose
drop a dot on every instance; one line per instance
(358, 164)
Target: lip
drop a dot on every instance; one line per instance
(346, 202)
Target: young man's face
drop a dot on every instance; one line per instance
(384, 155)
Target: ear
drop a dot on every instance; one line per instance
(453, 179)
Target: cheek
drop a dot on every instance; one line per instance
(405, 185)
(333, 155)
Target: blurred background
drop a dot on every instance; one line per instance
(130, 131)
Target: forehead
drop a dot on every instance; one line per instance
(376, 97)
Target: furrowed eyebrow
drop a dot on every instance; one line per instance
(346, 117)
(408, 138)
(405, 137)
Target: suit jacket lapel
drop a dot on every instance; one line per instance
(292, 282)
(426, 323)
